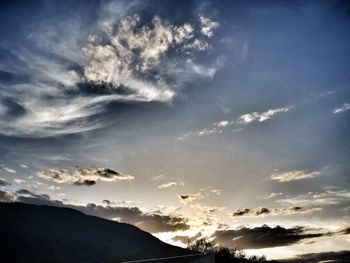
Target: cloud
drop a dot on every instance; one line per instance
(238, 123)
(185, 199)
(134, 51)
(3, 182)
(187, 239)
(331, 256)
(261, 116)
(167, 185)
(216, 191)
(208, 209)
(270, 196)
(262, 237)
(9, 170)
(344, 231)
(263, 211)
(294, 175)
(335, 197)
(72, 81)
(83, 176)
(208, 26)
(6, 196)
(344, 107)
(19, 181)
(154, 222)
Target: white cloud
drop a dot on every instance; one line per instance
(270, 196)
(325, 198)
(344, 107)
(216, 191)
(135, 50)
(295, 175)
(261, 116)
(19, 181)
(238, 123)
(124, 53)
(167, 185)
(208, 26)
(9, 170)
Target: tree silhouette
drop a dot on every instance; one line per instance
(223, 254)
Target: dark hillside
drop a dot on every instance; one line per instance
(31, 233)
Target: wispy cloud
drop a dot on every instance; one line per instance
(270, 196)
(8, 170)
(294, 175)
(127, 60)
(169, 184)
(344, 107)
(335, 197)
(238, 123)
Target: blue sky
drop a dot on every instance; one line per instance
(223, 114)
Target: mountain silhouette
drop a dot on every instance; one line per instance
(46, 234)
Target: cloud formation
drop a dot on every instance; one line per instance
(83, 176)
(208, 26)
(263, 211)
(64, 88)
(187, 239)
(262, 237)
(344, 107)
(6, 196)
(238, 123)
(294, 175)
(137, 55)
(167, 185)
(329, 197)
(8, 170)
(3, 182)
(189, 198)
(261, 116)
(331, 256)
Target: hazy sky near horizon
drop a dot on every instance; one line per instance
(213, 117)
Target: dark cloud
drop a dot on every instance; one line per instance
(83, 176)
(339, 256)
(187, 239)
(260, 211)
(152, 222)
(3, 182)
(6, 196)
(344, 231)
(85, 182)
(241, 212)
(262, 237)
(11, 108)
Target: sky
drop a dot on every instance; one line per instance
(221, 119)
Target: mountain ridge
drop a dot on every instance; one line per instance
(41, 233)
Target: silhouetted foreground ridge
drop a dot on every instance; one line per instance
(37, 234)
